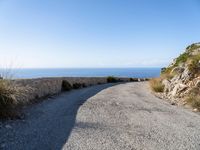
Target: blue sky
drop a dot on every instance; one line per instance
(96, 33)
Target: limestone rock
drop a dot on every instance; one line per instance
(197, 84)
(186, 75)
(185, 79)
(195, 110)
(167, 85)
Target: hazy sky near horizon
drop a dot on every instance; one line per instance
(96, 33)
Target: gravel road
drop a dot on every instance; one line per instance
(104, 117)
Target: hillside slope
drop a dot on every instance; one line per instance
(181, 79)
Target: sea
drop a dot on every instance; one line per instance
(81, 72)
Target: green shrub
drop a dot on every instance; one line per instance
(77, 85)
(66, 86)
(111, 79)
(84, 85)
(185, 58)
(133, 79)
(167, 70)
(156, 85)
(181, 59)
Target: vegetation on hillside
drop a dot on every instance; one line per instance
(194, 98)
(188, 66)
(193, 64)
(186, 58)
(192, 47)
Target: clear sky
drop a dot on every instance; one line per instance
(96, 33)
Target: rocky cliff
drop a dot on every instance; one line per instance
(181, 79)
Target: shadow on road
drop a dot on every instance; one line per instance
(71, 113)
(49, 124)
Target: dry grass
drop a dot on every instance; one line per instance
(156, 85)
(168, 76)
(194, 101)
(193, 64)
(194, 98)
(11, 96)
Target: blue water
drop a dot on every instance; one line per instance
(118, 72)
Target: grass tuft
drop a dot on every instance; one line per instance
(10, 95)
(194, 98)
(156, 85)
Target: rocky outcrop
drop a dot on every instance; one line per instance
(182, 75)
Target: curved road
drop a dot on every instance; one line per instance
(104, 117)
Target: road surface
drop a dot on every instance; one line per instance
(104, 117)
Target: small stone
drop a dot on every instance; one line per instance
(184, 103)
(8, 126)
(195, 110)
